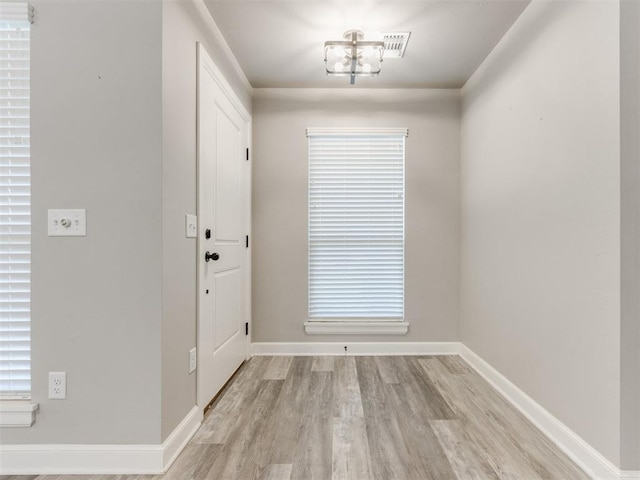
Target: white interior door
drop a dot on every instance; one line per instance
(223, 221)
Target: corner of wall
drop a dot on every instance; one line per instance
(630, 232)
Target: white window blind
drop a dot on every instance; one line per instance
(15, 209)
(356, 224)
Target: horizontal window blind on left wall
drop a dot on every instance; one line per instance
(15, 204)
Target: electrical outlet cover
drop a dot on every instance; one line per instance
(58, 385)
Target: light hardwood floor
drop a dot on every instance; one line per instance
(362, 418)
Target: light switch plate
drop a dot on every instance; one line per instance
(191, 226)
(67, 222)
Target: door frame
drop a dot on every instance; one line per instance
(204, 60)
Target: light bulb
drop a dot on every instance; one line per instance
(339, 51)
(366, 67)
(368, 51)
(338, 67)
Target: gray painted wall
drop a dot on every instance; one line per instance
(183, 26)
(113, 131)
(279, 227)
(97, 144)
(630, 241)
(541, 214)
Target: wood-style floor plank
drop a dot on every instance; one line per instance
(360, 418)
(425, 451)
(194, 462)
(322, 364)
(454, 364)
(347, 399)
(387, 368)
(375, 402)
(276, 472)
(541, 455)
(424, 396)
(229, 409)
(466, 459)
(390, 458)
(351, 457)
(277, 368)
(506, 460)
(238, 457)
(284, 422)
(514, 448)
(312, 457)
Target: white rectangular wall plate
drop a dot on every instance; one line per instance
(67, 222)
(58, 385)
(191, 226)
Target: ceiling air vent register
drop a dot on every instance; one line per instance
(395, 44)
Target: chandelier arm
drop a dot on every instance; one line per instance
(354, 56)
(337, 43)
(371, 43)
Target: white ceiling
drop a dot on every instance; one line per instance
(279, 43)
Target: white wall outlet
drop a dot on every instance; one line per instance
(67, 223)
(58, 385)
(191, 226)
(193, 360)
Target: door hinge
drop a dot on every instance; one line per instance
(246, 328)
(247, 154)
(246, 243)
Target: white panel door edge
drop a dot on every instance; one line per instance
(223, 223)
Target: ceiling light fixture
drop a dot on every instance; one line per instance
(353, 56)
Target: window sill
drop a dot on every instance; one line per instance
(17, 413)
(356, 328)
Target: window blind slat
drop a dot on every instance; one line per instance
(15, 211)
(356, 225)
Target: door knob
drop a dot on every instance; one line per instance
(211, 256)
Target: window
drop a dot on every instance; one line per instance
(356, 230)
(15, 205)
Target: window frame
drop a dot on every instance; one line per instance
(395, 324)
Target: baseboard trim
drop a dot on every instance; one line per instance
(99, 459)
(355, 348)
(80, 459)
(587, 457)
(178, 439)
